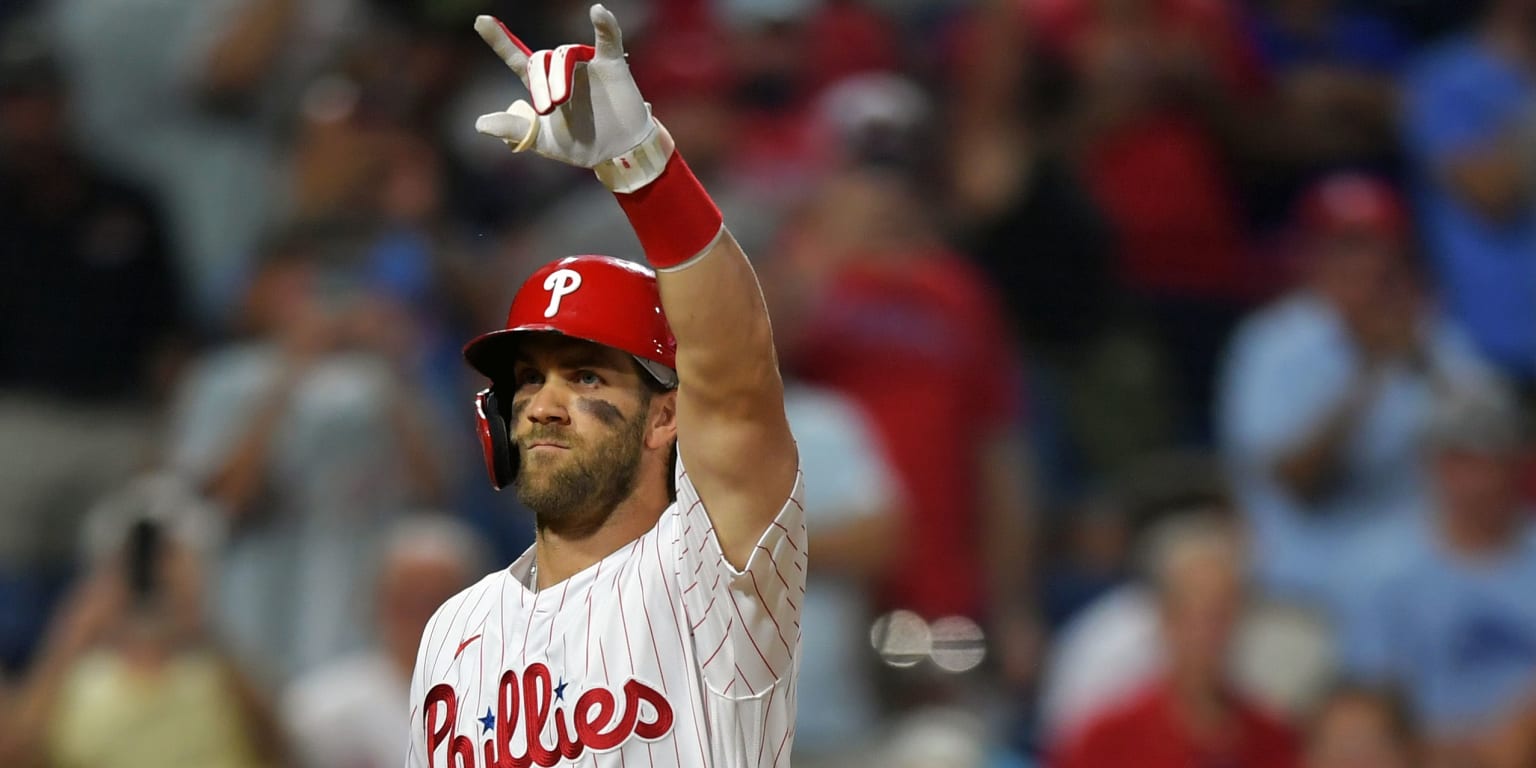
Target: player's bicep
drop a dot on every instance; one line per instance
(742, 462)
(745, 620)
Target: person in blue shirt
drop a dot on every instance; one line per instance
(1450, 615)
(1469, 127)
(1325, 393)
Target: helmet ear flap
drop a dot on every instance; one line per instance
(495, 440)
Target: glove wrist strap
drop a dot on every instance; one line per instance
(673, 217)
(639, 166)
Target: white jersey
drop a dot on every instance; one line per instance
(661, 654)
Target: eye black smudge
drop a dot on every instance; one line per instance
(602, 410)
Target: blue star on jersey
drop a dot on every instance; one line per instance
(489, 721)
(560, 690)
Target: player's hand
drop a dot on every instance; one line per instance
(586, 108)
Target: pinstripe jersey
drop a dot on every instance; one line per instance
(659, 655)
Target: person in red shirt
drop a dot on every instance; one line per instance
(1192, 716)
(1169, 100)
(873, 305)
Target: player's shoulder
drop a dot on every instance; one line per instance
(456, 609)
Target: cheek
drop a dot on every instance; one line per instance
(602, 410)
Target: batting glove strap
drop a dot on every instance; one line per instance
(673, 217)
(640, 166)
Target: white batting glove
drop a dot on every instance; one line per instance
(586, 109)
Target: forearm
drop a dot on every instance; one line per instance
(725, 351)
(709, 291)
(239, 479)
(1309, 468)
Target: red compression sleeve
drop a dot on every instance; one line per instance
(673, 216)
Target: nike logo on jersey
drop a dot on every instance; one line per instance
(464, 644)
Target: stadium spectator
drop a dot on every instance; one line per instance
(1192, 713)
(871, 298)
(1362, 726)
(1110, 646)
(1165, 96)
(1013, 203)
(426, 286)
(132, 674)
(347, 713)
(1470, 135)
(1326, 391)
(308, 436)
(1282, 656)
(1449, 614)
(851, 516)
(189, 94)
(1335, 67)
(91, 332)
(785, 54)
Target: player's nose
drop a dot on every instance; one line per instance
(549, 405)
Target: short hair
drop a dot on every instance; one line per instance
(1174, 539)
(651, 388)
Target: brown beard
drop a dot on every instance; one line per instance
(575, 498)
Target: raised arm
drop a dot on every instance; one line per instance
(733, 436)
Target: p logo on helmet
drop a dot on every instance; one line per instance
(560, 283)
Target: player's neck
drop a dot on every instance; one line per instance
(558, 557)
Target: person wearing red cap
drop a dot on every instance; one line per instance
(1325, 393)
(640, 415)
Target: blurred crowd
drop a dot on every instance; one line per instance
(1162, 370)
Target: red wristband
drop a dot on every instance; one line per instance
(673, 216)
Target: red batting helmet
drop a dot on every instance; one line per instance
(601, 299)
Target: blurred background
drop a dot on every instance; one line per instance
(1162, 369)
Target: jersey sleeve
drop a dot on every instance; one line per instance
(746, 623)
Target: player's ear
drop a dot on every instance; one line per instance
(662, 421)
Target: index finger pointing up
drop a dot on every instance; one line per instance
(610, 42)
(505, 44)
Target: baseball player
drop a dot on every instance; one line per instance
(655, 620)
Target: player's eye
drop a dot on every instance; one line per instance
(588, 378)
(527, 377)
